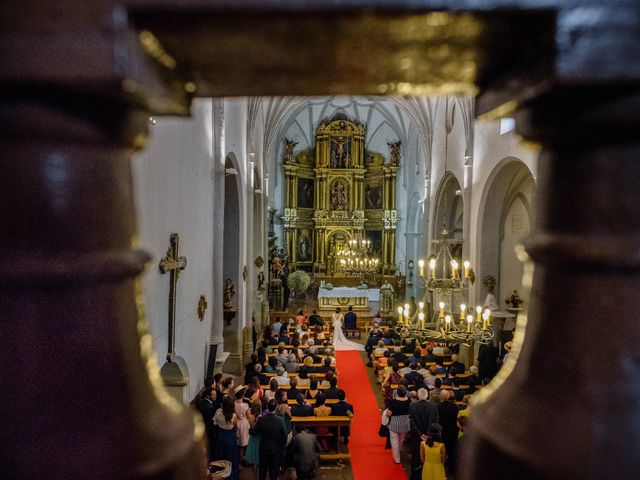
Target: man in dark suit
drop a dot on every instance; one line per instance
(315, 319)
(342, 409)
(413, 377)
(350, 321)
(455, 362)
(302, 409)
(421, 415)
(332, 391)
(430, 357)
(273, 439)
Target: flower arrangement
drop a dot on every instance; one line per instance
(298, 282)
(489, 282)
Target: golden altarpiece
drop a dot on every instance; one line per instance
(337, 192)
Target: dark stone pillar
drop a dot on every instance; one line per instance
(570, 408)
(81, 396)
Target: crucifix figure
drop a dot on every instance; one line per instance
(172, 264)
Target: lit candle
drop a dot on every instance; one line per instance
(454, 269)
(432, 267)
(400, 314)
(478, 314)
(447, 320)
(469, 322)
(421, 267)
(406, 316)
(421, 305)
(441, 305)
(421, 318)
(463, 311)
(467, 269)
(485, 317)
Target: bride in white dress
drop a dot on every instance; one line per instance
(339, 340)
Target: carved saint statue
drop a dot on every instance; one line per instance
(289, 145)
(386, 297)
(304, 247)
(338, 196)
(394, 155)
(261, 282)
(229, 293)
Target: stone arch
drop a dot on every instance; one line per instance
(505, 217)
(232, 269)
(448, 208)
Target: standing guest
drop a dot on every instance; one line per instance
(448, 413)
(243, 415)
(273, 439)
(267, 333)
(283, 410)
(306, 451)
(207, 405)
(433, 454)
(487, 358)
(350, 321)
(399, 424)
(392, 379)
(226, 441)
(217, 384)
(252, 456)
(421, 415)
(435, 392)
(301, 408)
(249, 368)
(227, 386)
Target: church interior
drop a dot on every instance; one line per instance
(427, 214)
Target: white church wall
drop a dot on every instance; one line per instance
(516, 227)
(173, 193)
(491, 152)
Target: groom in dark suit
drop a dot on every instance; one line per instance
(273, 439)
(350, 322)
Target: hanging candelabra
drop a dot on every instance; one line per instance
(357, 259)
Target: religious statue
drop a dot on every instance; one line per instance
(394, 156)
(288, 150)
(338, 196)
(339, 155)
(386, 297)
(261, 281)
(373, 195)
(229, 293)
(514, 300)
(304, 247)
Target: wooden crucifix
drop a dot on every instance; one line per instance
(172, 264)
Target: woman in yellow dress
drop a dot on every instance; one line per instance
(432, 454)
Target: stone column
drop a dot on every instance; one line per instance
(579, 359)
(84, 398)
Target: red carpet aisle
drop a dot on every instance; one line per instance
(369, 459)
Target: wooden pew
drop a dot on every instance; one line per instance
(311, 401)
(331, 421)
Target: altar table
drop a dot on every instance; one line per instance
(343, 297)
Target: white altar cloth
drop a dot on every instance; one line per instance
(373, 294)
